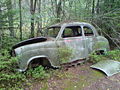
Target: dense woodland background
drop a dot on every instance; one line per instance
(23, 19)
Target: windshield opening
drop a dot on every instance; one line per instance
(53, 31)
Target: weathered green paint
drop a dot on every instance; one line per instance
(109, 67)
(82, 46)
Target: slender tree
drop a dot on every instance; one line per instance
(32, 11)
(39, 26)
(98, 7)
(58, 10)
(93, 7)
(10, 17)
(20, 19)
(1, 28)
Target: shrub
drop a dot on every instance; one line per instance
(114, 55)
(111, 55)
(7, 42)
(37, 73)
(94, 58)
(10, 78)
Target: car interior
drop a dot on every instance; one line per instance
(75, 31)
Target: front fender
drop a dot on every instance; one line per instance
(33, 58)
(26, 57)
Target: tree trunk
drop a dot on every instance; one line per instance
(53, 9)
(1, 26)
(32, 10)
(0, 30)
(0, 39)
(70, 6)
(93, 7)
(20, 19)
(97, 7)
(39, 26)
(10, 17)
(58, 10)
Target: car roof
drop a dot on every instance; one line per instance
(68, 24)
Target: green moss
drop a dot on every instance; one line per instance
(98, 45)
(96, 75)
(78, 84)
(65, 54)
(45, 86)
(81, 81)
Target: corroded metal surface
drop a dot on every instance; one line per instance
(109, 67)
(82, 46)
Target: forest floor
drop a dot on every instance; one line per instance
(81, 77)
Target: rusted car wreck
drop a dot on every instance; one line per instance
(80, 36)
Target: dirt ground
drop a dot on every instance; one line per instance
(81, 77)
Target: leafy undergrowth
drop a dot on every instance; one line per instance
(12, 79)
(111, 55)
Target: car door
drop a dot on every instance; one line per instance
(72, 37)
(90, 38)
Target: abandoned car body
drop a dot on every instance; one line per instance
(81, 37)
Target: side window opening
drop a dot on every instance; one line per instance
(53, 31)
(72, 31)
(88, 31)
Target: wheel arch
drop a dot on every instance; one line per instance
(41, 58)
(38, 58)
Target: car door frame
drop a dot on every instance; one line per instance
(61, 39)
(90, 44)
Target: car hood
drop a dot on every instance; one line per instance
(31, 41)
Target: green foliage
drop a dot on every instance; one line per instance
(37, 73)
(65, 54)
(7, 62)
(8, 42)
(94, 58)
(111, 55)
(114, 55)
(11, 78)
(8, 75)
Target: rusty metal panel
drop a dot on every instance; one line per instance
(109, 67)
(78, 47)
